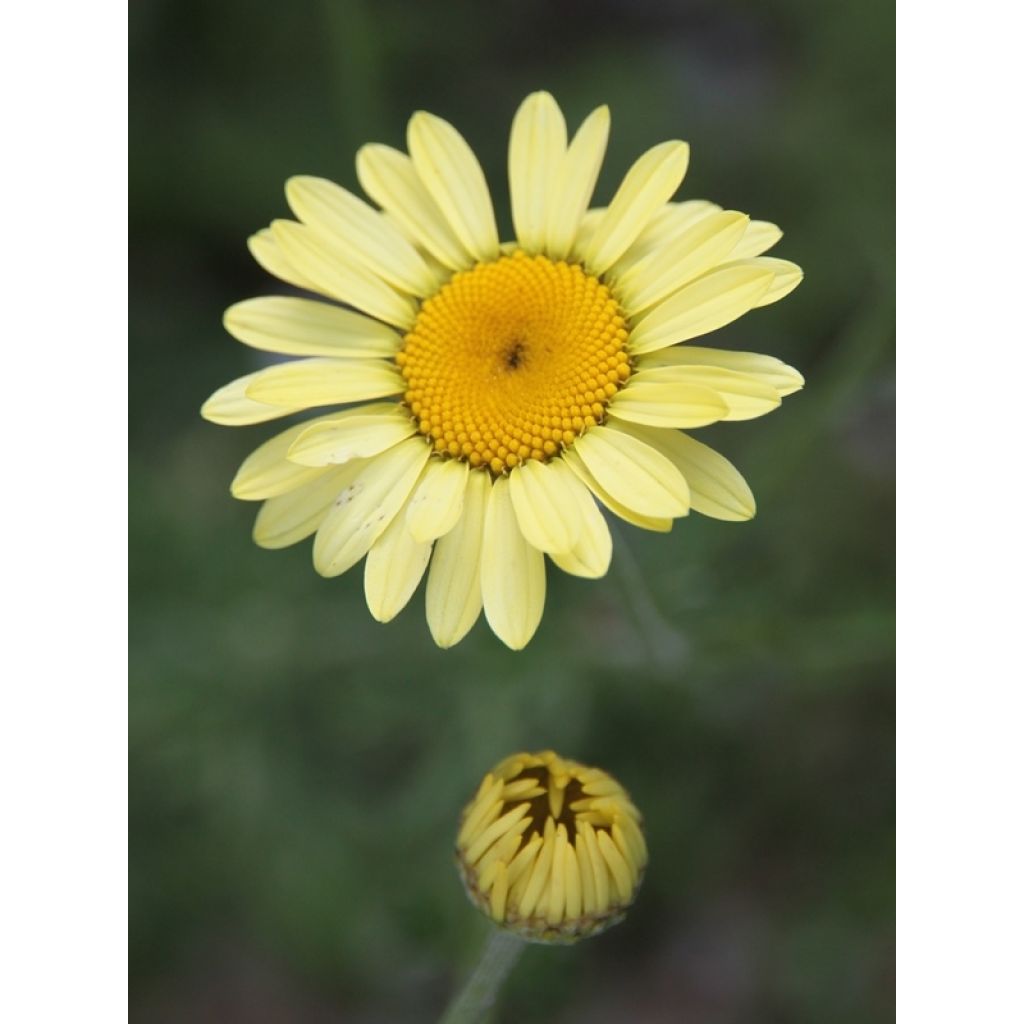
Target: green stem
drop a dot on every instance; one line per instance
(499, 955)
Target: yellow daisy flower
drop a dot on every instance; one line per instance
(551, 849)
(511, 387)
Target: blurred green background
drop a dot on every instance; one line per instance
(297, 770)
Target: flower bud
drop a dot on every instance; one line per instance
(551, 849)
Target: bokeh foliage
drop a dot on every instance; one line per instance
(297, 769)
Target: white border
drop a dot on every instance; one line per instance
(63, 513)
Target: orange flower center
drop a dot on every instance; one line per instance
(513, 360)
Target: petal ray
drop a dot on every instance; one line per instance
(536, 152)
(712, 301)
(303, 383)
(362, 233)
(303, 327)
(575, 184)
(365, 508)
(454, 598)
(453, 177)
(390, 180)
(647, 185)
(511, 573)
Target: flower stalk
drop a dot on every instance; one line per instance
(499, 955)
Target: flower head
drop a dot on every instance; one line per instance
(497, 393)
(551, 849)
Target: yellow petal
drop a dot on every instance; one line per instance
(335, 275)
(302, 327)
(577, 177)
(362, 233)
(598, 868)
(667, 224)
(354, 434)
(546, 498)
(745, 397)
(657, 524)
(767, 369)
(554, 910)
(536, 152)
(452, 175)
(712, 301)
(759, 237)
(394, 567)
(390, 180)
(633, 473)
(453, 586)
(647, 185)
(665, 402)
(511, 573)
(716, 487)
(365, 508)
(267, 471)
(573, 886)
(293, 516)
(592, 553)
(267, 253)
(617, 867)
(436, 504)
(588, 892)
(787, 277)
(703, 245)
(303, 383)
(232, 407)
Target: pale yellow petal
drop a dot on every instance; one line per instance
(745, 397)
(453, 177)
(353, 434)
(303, 383)
(511, 573)
(394, 567)
(365, 508)
(633, 473)
(716, 487)
(592, 553)
(362, 233)
(436, 504)
(546, 498)
(316, 258)
(536, 152)
(390, 180)
(712, 301)
(702, 246)
(787, 277)
(267, 471)
(232, 407)
(302, 327)
(667, 224)
(293, 516)
(664, 402)
(654, 523)
(648, 184)
(454, 599)
(766, 369)
(588, 224)
(759, 237)
(574, 187)
(267, 253)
